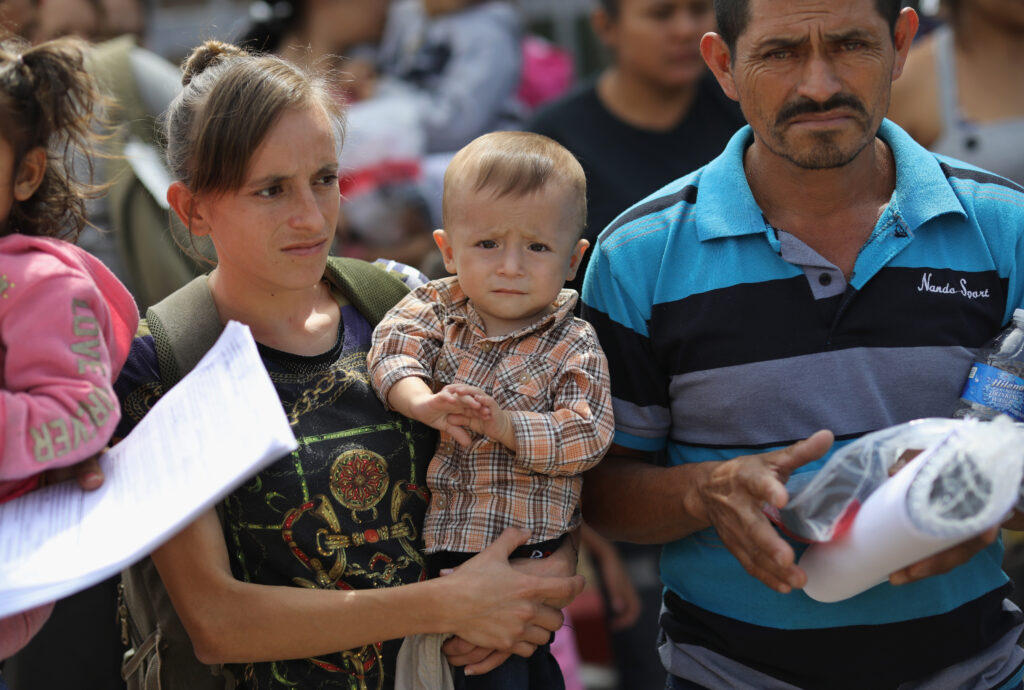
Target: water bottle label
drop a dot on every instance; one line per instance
(995, 388)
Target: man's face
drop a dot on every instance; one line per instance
(813, 77)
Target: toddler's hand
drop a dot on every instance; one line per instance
(443, 409)
(485, 417)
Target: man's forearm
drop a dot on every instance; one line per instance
(628, 499)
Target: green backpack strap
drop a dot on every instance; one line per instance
(371, 288)
(185, 325)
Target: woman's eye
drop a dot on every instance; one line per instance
(269, 192)
(327, 180)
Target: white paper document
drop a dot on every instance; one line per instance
(220, 425)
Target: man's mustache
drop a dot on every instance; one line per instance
(806, 106)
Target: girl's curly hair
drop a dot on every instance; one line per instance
(48, 99)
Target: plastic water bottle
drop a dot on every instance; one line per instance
(995, 383)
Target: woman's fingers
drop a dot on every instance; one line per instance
(491, 662)
(460, 652)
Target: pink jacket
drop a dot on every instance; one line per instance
(66, 325)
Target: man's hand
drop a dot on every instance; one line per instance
(944, 561)
(733, 495)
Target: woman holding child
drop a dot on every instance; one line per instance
(304, 560)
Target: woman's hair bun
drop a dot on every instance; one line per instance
(209, 53)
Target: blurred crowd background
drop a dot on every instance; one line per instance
(619, 82)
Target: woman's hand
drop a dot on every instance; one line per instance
(501, 610)
(562, 562)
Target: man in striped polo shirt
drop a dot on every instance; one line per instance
(824, 273)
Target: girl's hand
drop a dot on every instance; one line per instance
(87, 472)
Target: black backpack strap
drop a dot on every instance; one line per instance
(371, 288)
(185, 325)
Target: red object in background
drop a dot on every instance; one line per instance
(370, 178)
(589, 623)
(548, 71)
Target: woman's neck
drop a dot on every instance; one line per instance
(642, 103)
(302, 321)
(988, 41)
(989, 53)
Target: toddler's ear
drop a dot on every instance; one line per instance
(30, 174)
(577, 256)
(442, 241)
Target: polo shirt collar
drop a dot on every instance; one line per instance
(726, 206)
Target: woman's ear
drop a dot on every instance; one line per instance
(30, 174)
(603, 26)
(185, 204)
(441, 240)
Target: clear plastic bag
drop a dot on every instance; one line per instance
(822, 505)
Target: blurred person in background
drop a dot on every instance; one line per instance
(962, 91)
(304, 32)
(653, 114)
(382, 211)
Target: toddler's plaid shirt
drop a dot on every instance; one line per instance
(553, 379)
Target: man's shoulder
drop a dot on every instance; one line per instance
(669, 210)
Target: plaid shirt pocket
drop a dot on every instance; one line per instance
(522, 383)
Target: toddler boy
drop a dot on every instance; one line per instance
(494, 358)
